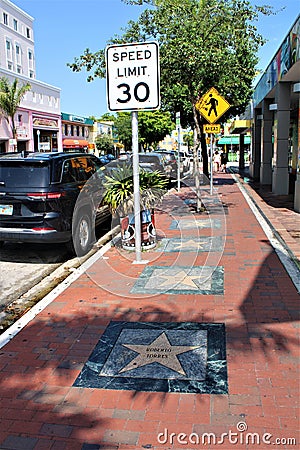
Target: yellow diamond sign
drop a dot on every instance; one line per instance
(212, 105)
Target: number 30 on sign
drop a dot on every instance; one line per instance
(132, 76)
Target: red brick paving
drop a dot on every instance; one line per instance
(41, 410)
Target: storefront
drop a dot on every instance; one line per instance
(76, 133)
(45, 134)
(81, 145)
(275, 114)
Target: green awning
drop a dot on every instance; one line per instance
(234, 140)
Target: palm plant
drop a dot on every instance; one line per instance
(10, 98)
(119, 189)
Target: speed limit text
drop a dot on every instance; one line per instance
(134, 71)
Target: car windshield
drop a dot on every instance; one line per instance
(21, 174)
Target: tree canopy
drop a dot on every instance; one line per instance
(203, 44)
(153, 126)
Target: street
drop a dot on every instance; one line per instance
(24, 265)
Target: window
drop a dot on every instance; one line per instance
(18, 54)
(20, 119)
(9, 66)
(19, 69)
(5, 18)
(31, 74)
(78, 132)
(69, 173)
(72, 130)
(66, 130)
(8, 45)
(28, 32)
(15, 25)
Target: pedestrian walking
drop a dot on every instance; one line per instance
(217, 161)
(224, 161)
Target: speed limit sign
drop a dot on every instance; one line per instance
(132, 76)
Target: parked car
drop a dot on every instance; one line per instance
(171, 160)
(185, 162)
(105, 159)
(155, 161)
(45, 198)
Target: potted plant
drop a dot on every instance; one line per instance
(119, 197)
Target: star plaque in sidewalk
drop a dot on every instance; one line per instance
(154, 356)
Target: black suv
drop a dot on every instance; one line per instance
(45, 198)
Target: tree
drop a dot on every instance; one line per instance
(203, 44)
(153, 127)
(10, 99)
(104, 144)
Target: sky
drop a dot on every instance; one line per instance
(63, 29)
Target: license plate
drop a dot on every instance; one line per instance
(6, 210)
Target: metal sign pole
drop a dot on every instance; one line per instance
(136, 186)
(178, 168)
(211, 164)
(178, 150)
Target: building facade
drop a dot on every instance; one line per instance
(38, 118)
(77, 133)
(275, 119)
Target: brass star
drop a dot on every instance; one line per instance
(189, 244)
(159, 351)
(180, 278)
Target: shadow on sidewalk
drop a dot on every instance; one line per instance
(40, 365)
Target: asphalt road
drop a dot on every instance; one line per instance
(24, 265)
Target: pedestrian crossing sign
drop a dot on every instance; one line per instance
(212, 105)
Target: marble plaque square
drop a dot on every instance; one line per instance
(202, 280)
(154, 356)
(194, 223)
(199, 244)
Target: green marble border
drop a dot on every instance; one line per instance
(215, 381)
(217, 281)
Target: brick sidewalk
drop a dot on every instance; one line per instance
(254, 383)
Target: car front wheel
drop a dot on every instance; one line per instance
(82, 238)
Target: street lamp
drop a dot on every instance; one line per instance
(38, 139)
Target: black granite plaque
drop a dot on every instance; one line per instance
(152, 356)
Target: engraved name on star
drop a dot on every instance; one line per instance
(159, 351)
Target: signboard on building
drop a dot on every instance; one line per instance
(133, 76)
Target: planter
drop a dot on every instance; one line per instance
(148, 232)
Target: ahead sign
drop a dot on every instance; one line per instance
(132, 76)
